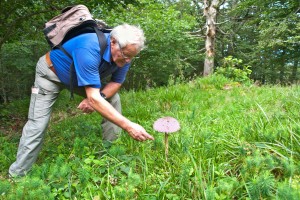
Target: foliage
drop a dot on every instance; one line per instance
(17, 72)
(237, 143)
(170, 50)
(232, 68)
(264, 35)
(24, 19)
(32, 188)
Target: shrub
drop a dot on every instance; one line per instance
(234, 69)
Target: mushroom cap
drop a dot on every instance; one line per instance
(166, 125)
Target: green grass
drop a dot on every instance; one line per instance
(241, 143)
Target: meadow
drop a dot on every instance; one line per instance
(235, 142)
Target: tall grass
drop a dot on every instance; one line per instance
(241, 143)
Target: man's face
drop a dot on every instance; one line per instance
(124, 55)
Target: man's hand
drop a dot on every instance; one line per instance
(102, 106)
(85, 106)
(137, 132)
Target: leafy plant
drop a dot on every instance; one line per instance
(232, 68)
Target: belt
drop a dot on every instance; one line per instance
(49, 63)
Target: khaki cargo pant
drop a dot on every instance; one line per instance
(44, 94)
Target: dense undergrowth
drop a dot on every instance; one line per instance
(235, 142)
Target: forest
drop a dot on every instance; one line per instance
(185, 39)
(227, 70)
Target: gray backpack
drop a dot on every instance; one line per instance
(73, 21)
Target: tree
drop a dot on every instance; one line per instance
(265, 35)
(210, 10)
(279, 30)
(170, 49)
(210, 13)
(15, 28)
(22, 40)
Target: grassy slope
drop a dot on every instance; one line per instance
(238, 143)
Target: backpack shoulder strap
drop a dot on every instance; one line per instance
(102, 41)
(102, 44)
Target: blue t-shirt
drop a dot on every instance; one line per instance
(90, 69)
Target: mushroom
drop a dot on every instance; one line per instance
(166, 125)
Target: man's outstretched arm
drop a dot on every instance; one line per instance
(95, 100)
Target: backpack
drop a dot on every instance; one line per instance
(73, 21)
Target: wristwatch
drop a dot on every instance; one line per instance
(103, 95)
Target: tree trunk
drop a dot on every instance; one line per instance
(2, 90)
(210, 13)
(293, 77)
(282, 67)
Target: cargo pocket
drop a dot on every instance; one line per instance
(31, 106)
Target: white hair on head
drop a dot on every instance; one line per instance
(129, 34)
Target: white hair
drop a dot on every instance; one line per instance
(129, 34)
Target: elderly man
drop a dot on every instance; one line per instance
(53, 71)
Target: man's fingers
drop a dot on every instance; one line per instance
(141, 138)
(144, 137)
(150, 137)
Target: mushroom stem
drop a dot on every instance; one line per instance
(166, 146)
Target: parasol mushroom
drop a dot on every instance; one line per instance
(166, 125)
